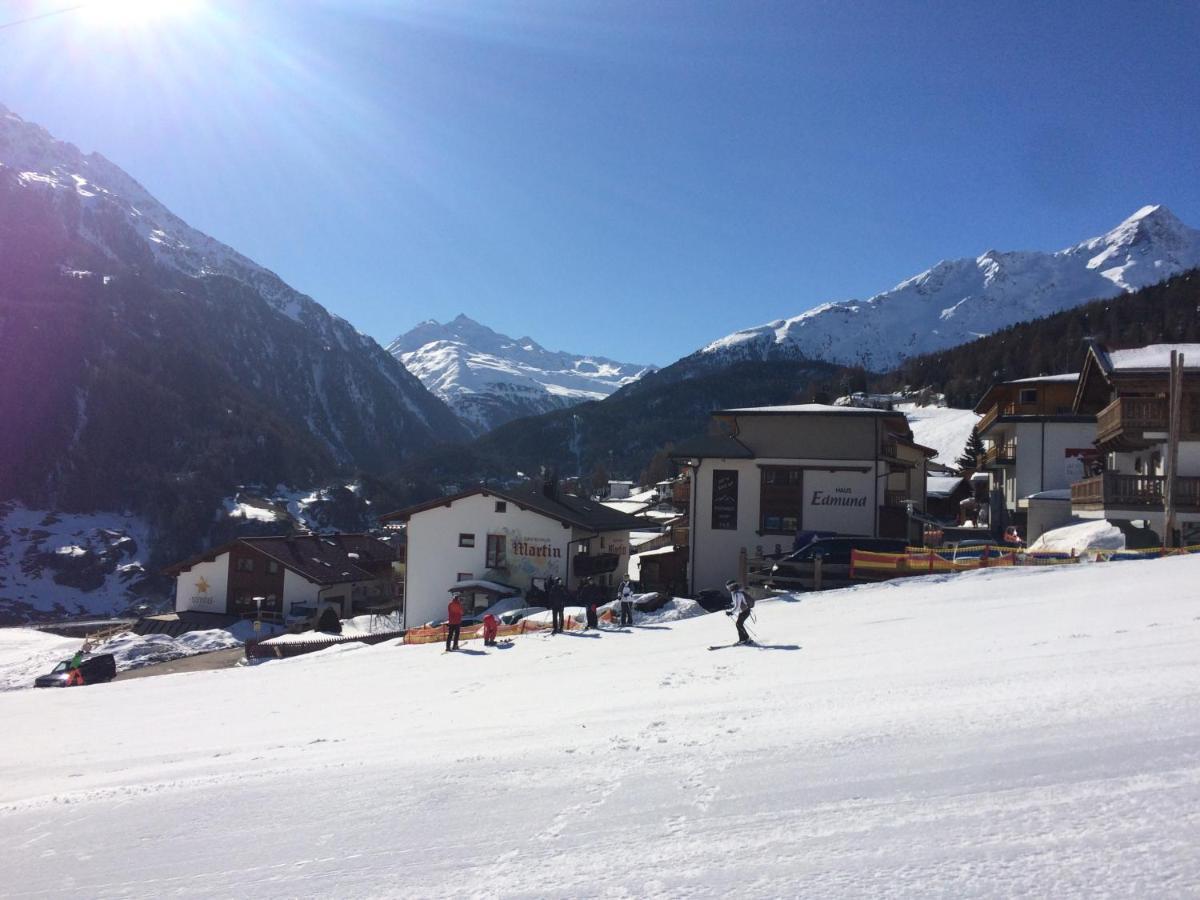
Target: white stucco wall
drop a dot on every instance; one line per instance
(714, 554)
(215, 576)
(1042, 461)
(298, 591)
(536, 547)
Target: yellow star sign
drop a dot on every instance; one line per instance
(202, 585)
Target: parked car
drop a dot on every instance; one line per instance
(796, 570)
(513, 616)
(93, 670)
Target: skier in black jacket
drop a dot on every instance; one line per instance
(558, 600)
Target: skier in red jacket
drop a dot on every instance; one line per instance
(491, 627)
(454, 611)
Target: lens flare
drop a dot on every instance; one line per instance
(126, 14)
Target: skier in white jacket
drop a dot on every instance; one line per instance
(625, 595)
(741, 609)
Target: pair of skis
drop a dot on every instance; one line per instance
(734, 644)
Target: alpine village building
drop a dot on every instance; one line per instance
(1036, 444)
(764, 474)
(282, 579)
(1129, 391)
(485, 542)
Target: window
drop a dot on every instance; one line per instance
(245, 564)
(501, 506)
(780, 500)
(1028, 395)
(272, 567)
(463, 576)
(466, 540)
(495, 551)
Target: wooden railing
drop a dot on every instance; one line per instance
(1131, 413)
(1004, 452)
(1008, 409)
(1134, 491)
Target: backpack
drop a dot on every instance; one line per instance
(748, 601)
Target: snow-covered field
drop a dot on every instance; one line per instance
(1009, 732)
(943, 428)
(25, 654)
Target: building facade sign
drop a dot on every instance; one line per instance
(839, 501)
(725, 499)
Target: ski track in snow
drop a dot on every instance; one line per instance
(1002, 733)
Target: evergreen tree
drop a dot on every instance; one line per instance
(971, 452)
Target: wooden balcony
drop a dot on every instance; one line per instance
(1144, 492)
(1002, 454)
(1002, 410)
(1122, 424)
(1123, 421)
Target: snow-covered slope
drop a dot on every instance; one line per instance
(943, 428)
(489, 378)
(1020, 732)
(959, 300)
(58, 565)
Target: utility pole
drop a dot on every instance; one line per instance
(1174, 426)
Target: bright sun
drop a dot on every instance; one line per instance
(135, 13)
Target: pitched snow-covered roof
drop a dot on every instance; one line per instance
(1046, 379)
(566, 508)
(941, 485)
(1150, 357)
(810, 409)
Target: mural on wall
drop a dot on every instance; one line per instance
(1080, 463)
(533, 557)
(202, 597)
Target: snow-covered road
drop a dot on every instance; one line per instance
(1008, 732)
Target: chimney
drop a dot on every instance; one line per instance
(550, 485)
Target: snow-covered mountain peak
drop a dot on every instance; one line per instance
(959, 300)
(489, 378)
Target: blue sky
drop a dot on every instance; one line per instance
(631, 179)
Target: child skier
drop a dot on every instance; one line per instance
(491, 626)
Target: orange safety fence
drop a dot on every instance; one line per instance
(921, 561)
(865, 564)
(436, 635)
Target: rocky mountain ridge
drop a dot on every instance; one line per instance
(489, 378)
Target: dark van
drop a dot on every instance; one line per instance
(796, 570)
(92, 670)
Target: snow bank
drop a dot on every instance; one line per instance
(1095, 534)
(360, 625)
(133, 651)
(1011, 732)
(672, 611)
(25, 654)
